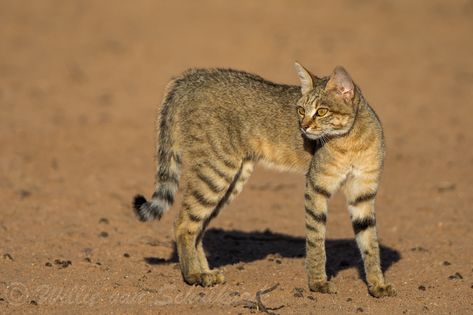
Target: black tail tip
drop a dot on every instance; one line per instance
(144, 210)
(140, 204)
(138, 201)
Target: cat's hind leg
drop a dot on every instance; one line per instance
(242, 176)
(247, 167)
(209, 184)
(233, 190)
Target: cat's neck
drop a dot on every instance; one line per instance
(364, 132)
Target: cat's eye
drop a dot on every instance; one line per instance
(301, 110)
(321, 112)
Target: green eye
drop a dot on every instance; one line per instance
(301, 110)
(321, 112)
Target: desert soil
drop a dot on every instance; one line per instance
(81, 81)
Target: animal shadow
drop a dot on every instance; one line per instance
(234, 246)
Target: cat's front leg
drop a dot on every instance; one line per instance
(361, 193)
(316, 197)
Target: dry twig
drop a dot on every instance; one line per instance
(258, 304)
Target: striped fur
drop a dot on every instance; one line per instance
(169, 165)
(220, 122)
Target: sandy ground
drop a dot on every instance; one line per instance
(79, 86)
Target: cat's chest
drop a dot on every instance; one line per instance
(348, 162)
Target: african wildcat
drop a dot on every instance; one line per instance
(221, 122)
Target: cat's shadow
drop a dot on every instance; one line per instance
(233, 246)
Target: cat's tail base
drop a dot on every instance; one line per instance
(146, 211)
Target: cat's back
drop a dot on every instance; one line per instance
(230, 83)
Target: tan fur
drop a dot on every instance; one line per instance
(225, 121)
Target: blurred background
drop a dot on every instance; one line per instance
(81, 83)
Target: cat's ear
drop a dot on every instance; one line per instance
(307, 82)
(341, 83)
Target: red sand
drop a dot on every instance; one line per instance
(79, 86)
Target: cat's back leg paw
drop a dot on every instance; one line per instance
(323, 287)
(206, 279)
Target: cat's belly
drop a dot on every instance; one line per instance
(281, 155)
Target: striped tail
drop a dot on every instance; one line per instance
(169, 165)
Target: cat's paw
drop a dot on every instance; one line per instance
(382, 290)
(206, 279)
(322, 287)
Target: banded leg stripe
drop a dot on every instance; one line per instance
(363, 198)
(219, 172)
(318, 217)
(311, 243)
(209, 182)
(318, 189)
(200, 198)
(310, 228)
(361, 224)
(192, 217)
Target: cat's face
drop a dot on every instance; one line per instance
(322, 115)
(326, 107)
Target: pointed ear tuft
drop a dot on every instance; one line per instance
(341, 83)
(307, 83)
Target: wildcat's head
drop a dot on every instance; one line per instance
(326, 107)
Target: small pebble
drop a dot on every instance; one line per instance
(419, 249)
(104, 221)
(8, 256)
(446, 263)
(241, 267)
(359, 310)
(24, 193)
(349, 300)
(48, 264)
(278, 261)
(445, 186)
(103, 234)
(421, 287)
(456, 276)
(87, 259)
(310, 297)
(298, 292)
(62, 263)
(33, 302)
(126, 255)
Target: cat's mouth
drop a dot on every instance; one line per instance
(311, 136)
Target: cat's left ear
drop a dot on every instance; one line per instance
(307, 82)
(341, 83)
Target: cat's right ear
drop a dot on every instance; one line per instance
(307, 83)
